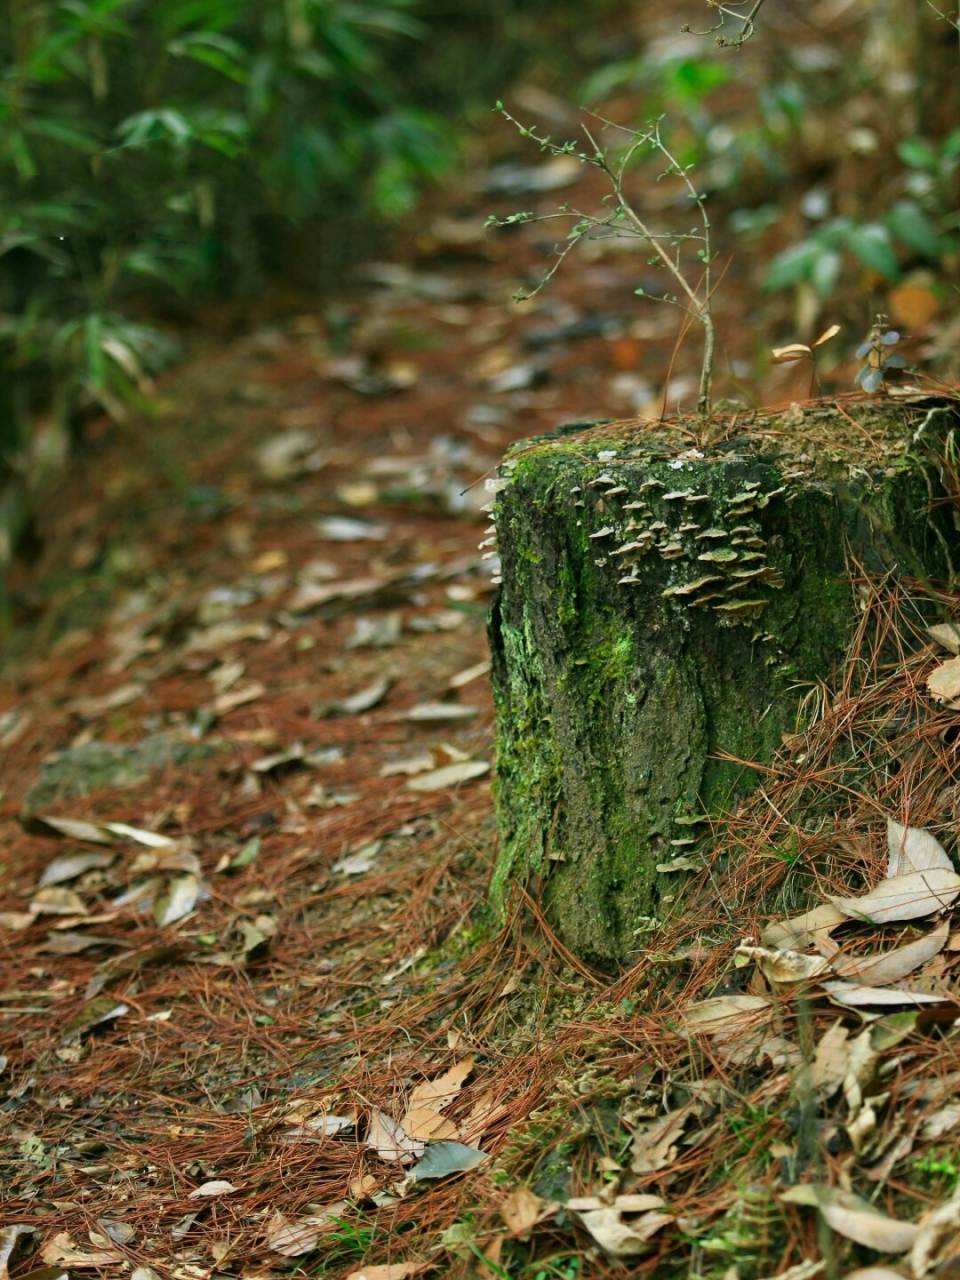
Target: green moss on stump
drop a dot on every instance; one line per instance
(662, 608)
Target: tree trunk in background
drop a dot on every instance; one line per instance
(663, 608)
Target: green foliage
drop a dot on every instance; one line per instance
(140, 140)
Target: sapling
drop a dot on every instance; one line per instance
(622, 219)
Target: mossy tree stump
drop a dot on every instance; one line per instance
(663, 610)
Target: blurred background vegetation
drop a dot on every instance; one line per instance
(154, 153)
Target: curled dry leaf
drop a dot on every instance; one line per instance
(854, 1218)
(620, 1238)
(892, 966)
(800, 932)
(62, 1252)
(71, 865)
(854, 996)
(904, 897)
(783, 967)
(386, 1137)
(207, 1190)
(91, 1014)
(523, 1209)
(936, 1235)
(913, 849)
(450, 775)
(723, 1013)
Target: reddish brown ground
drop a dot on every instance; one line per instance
(361, 983)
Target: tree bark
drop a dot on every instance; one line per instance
(663, 612)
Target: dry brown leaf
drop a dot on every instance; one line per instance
(450, 775)
(800, 932)
(940, 1122)
(441, 1091)
(722, 1013)
(783, 967)
(944, 683)
(892, 966)
(830, 1063)
(387, 1138)
(913, 849)
(57, 902)
(423, 1124)
(389, 1271)
(853, 1218)
(854, 996)
(628, 1203)
(906, 897)
(8, 1245)
(486, 1111)
(936, 1238)
(947, 634)
(523, 1209)
(62, 1252)
(622, 1239)
(218, 1187)
(655, 1144)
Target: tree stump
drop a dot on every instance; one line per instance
(663, 611)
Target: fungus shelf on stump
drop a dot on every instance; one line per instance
(663, 610)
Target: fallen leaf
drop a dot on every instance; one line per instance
(386, 1137)
(800, 932)
(783, 967)
(831, 1061)
(71, 865)
(947, 634)
(441, 1091)
(523, 1209)
(446, 1158)
(57, 902)
(449, 776)
(364, 700)
(936, 1233)
(944, 683)
(8, 1244)
(853, 1218)
(208, 1189)
(389, 1271)
(904, 897)
(348, 529)
(426, 1125)
(360, 861)
(179, 900)
(892, 966)
(290, 1239)
(940, 1122)
(628, 1203)
(622, 1239)
(91, 1014)
(854, 996)
(718, 1013)
(913, 849)
(434, 712)
(655, 1144)
(62, 1252)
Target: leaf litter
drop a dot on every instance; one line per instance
(297, 1026)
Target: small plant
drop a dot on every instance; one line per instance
(877, 356)
(622, 219)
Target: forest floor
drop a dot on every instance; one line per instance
(266, 1025)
